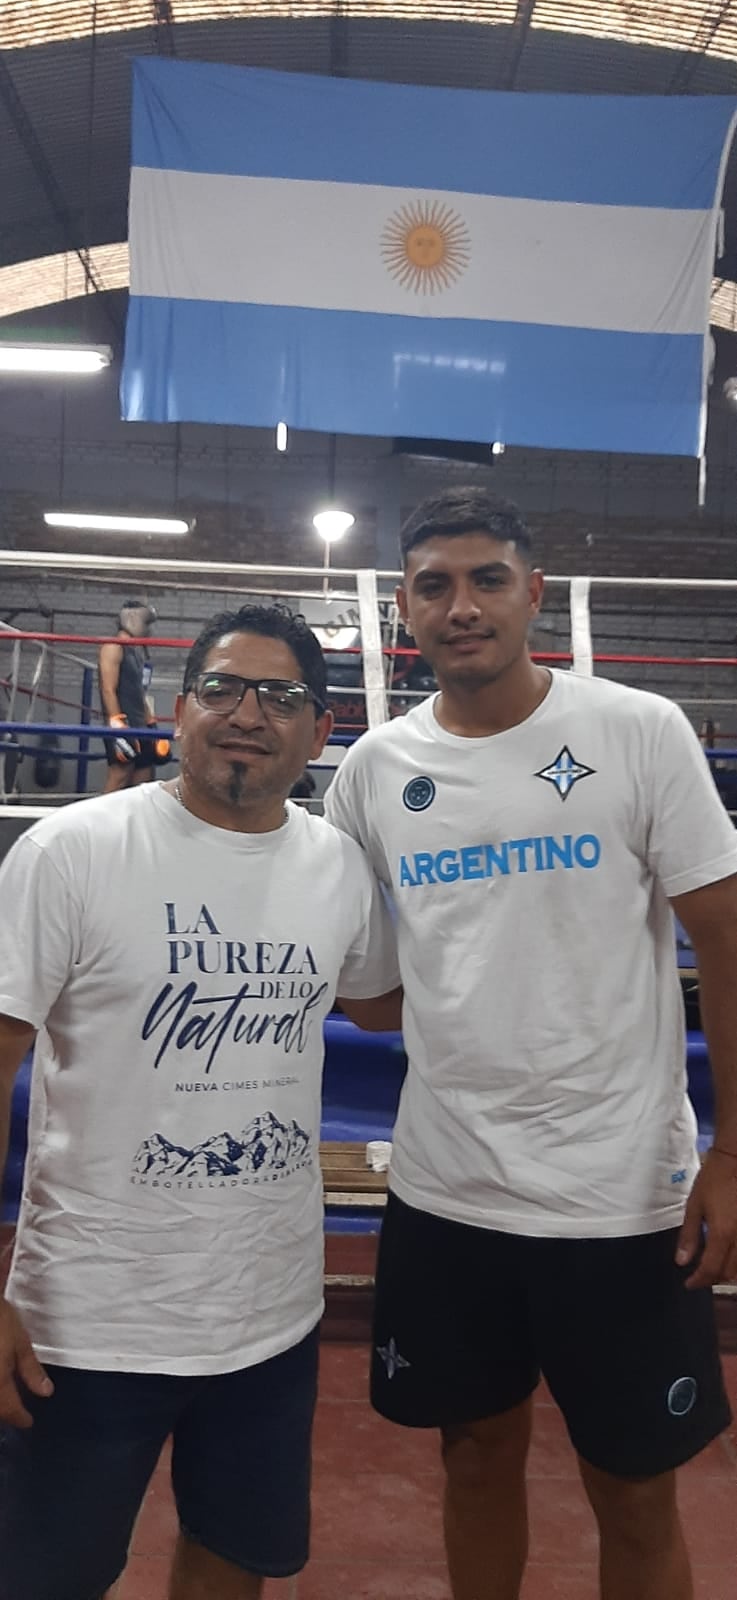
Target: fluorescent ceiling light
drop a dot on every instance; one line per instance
(93, 523)
(332, 524)
(281, 436)
(53, 358)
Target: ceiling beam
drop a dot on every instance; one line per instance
(708, 28)
(37, 156)
(520, 30)
(163, 12)
(338, 41)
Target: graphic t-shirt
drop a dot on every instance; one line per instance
(543, 1021)
(179, 974)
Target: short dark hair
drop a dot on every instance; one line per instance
(271, 622)
(465, 510)
(124, 614)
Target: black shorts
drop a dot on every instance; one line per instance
(146, 756)
(72, 1485)
(466, 1319)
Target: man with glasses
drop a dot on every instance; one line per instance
(175, 948)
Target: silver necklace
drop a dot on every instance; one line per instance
(178, 793)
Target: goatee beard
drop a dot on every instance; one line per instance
(236, 785)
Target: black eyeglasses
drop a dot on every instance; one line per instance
(280, 698)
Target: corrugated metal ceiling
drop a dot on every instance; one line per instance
(691, 26)
(65, 85)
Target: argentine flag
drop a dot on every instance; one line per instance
(374, 258)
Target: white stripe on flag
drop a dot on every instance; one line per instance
(351, 247)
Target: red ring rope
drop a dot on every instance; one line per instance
(388, 650)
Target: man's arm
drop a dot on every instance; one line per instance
(110, 659)
(382, 1014)
(17, 1360)
(16, 1038)
(346, 806)
(709, 916)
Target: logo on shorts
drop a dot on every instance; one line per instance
(391, 1358)
(418, 794)
(682, 1396)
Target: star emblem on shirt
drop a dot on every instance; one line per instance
(564, 772)
(391, 1358)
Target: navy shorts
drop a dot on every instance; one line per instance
(72, 1485)
(467, 1318)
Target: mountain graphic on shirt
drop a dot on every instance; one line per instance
(265, 1144)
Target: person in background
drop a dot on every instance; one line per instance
(124, 672)
(547, 1209)
(174, 950)
(304, 788)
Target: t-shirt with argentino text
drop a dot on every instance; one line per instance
(543, 1020)
(179, 974)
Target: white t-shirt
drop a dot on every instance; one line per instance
(543, 1020)
(171, 1217)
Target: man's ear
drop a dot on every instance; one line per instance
(535, 589)
(324, 725)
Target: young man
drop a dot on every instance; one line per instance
(124, 673)
(176, 949)
(533, 827)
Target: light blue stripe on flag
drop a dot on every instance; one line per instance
(366, 374)
(605, 149)
(278, 224)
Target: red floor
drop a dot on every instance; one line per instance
(376, 1508)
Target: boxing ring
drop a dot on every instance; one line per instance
(374, 672)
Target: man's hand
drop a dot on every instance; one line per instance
(711, 1204)
(161, 745)
(18, 1363)
(126, 749)
(383, 1014)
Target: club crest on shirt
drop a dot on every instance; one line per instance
(418, 794)
(564, 772)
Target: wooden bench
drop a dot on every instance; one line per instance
(347, 1180)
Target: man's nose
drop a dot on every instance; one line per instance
(248, 714)
(464, 606)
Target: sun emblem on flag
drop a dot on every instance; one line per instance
(426, 246)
